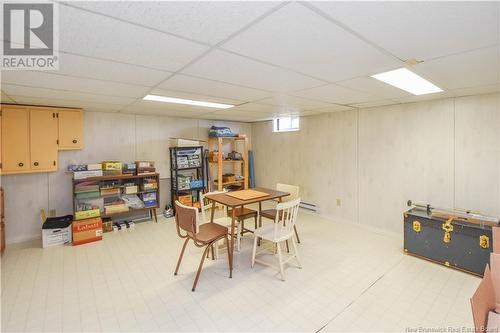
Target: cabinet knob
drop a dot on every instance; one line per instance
(35, 164)
(75, 141)
(21, 164)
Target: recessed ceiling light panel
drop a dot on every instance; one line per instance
(174, 100)
(406, 80)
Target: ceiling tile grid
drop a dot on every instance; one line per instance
(297, 38)
(420, 29)
(267, 58)
(204, 21)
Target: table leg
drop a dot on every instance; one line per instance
(233, 220)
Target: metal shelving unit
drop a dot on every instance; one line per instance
(197, 170)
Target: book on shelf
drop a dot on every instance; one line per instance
(87, 195)
(110, 191)
(87, 174)
(113, 209)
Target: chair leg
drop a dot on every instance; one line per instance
(280, 258)
(287, 248)
(212, 250)
(229, 256)
(200, 267)
(296, 254)
(180, 257)
(254, 251)
(296, 233)
(255, 221)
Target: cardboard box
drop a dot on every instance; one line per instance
(186, 200)
(487, 297)
(86, 214)
(59, 236)
(112, 165)
(87, 174)
(179, 142)
(86, 231)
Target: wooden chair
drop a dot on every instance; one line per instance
(204, 235)
(271, 213)
(243, 214)
(224, 220)
(280, 231)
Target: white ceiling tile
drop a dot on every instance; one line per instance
(205, 21)
(193, 96)
(333, 93)
(75, 65)
(474, 68)
(103, 37)
(427, 97)
(297, 38)
(256, 107)
(70, 96)
(374, 104)
(159, 108)
(87, 106)
(331, 108)
(477, 90)
(227, 67)
(420, 29)
(70, 83)
(6, 99)
(293, 102)
(374, 87)
(212, 88)
(235, 115)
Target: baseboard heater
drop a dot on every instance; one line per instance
(309, 206)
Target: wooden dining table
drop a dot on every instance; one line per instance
(233, 203)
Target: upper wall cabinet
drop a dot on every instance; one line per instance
(31, 137)
(15, 139)
(70, 129)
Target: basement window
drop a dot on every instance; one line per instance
(286, 124)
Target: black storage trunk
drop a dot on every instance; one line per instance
(459, 244)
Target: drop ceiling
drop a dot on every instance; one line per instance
(267, 58)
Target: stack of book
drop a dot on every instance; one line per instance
(82, 171)
(149, 199)
(145, 167)
(112, 168)
(114, 205)
(149, 184)
(129, 169)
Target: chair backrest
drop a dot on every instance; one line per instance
(286, 216)
(206, 205)
(186, 218)
(292, 189)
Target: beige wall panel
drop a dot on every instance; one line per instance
(405, 152)
(25, 195)
(153, 134)
(477, 153)
(108, 136)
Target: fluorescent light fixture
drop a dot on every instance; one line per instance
(163, 99)
(408, 81)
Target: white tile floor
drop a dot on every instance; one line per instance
(353, 279)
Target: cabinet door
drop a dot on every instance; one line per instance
(15, 139)
(43, 139)
(70, 129)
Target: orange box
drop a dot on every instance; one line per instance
(86, 231)
(186, 200)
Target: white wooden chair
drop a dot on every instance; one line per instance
(280, 231)
(223, 220)
(271, 213)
